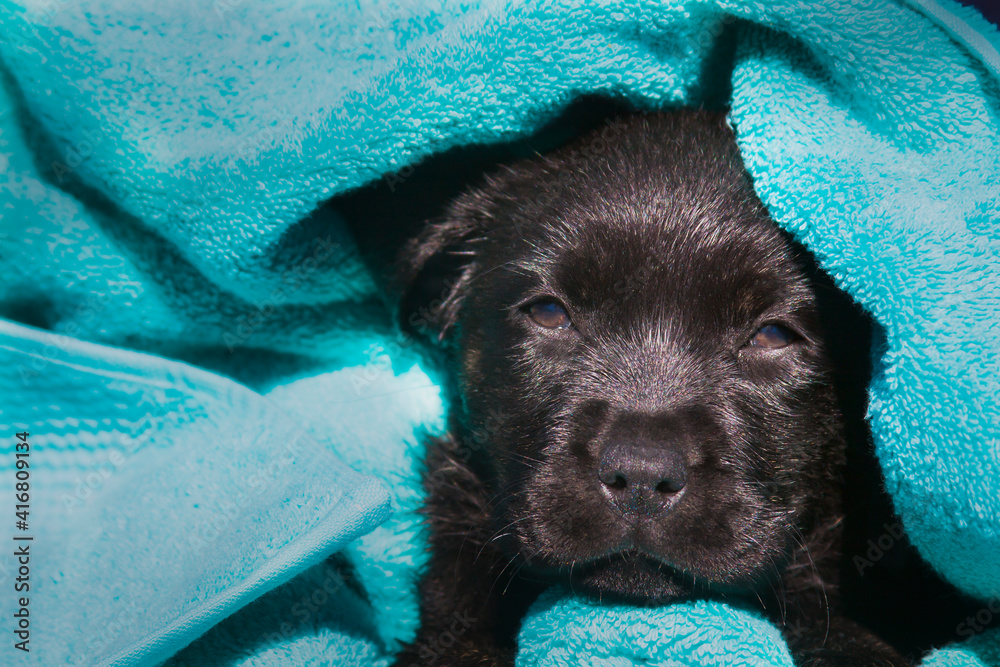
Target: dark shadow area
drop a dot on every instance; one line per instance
(990, 9)
(32, 307)
(715, 85)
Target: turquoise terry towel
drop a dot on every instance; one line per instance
(162, 161)
(161, 499)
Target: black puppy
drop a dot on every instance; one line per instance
(643, 407)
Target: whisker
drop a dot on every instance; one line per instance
(499, 534)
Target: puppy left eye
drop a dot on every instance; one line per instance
(549, 314)
(772, 337)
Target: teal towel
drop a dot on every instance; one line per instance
(161, 499)
(163, 163)
(561, 629)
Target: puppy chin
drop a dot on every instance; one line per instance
(633, 578)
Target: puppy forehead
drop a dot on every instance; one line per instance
(648, 258)
(665, 215)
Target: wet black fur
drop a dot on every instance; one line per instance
(650, 233)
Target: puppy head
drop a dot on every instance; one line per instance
(640, 346)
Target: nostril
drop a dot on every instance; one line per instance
(619, 482)
(612, 476)
(668, 486)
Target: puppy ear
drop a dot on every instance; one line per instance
(435, 267)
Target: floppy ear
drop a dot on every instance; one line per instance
(435, 267)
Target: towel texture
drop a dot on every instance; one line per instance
(162, 499)
(163, 164)
(561, 628)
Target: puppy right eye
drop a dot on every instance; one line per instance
(549, 314)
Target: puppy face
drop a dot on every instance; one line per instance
(640, 345)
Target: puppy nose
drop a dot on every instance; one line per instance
(642, 479)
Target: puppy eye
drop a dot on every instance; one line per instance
(772, 337)
(549, 314)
